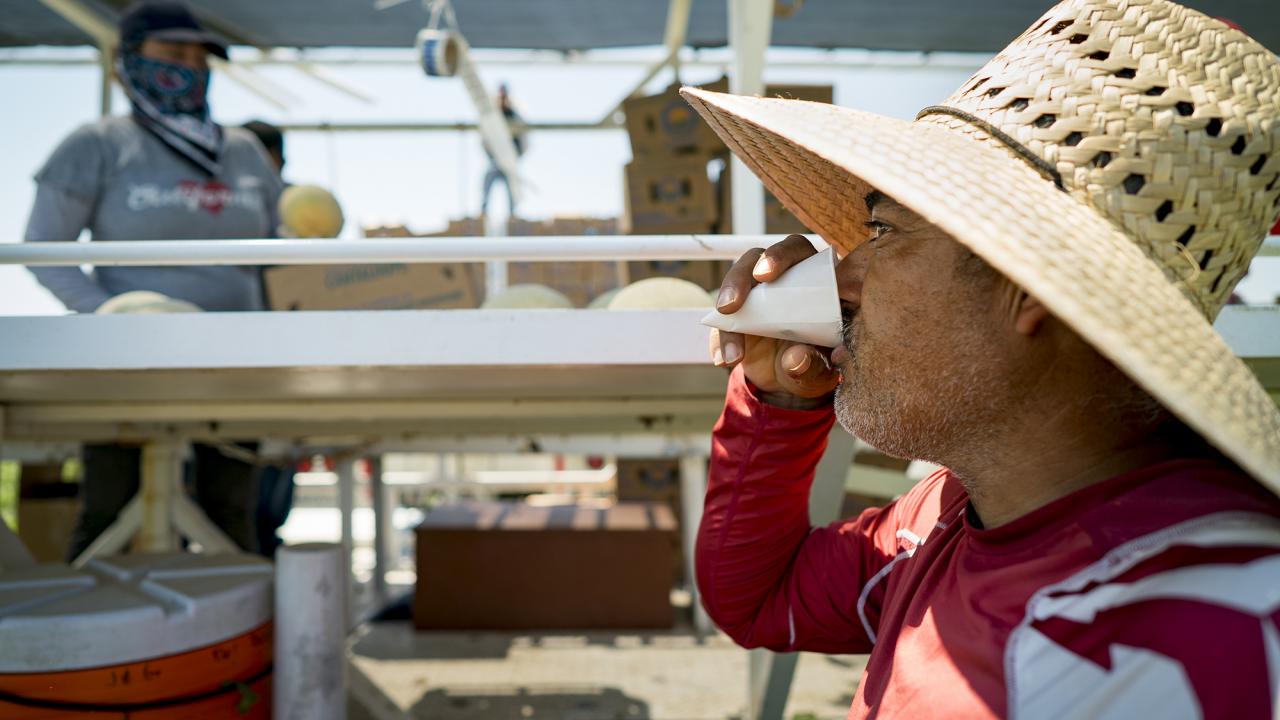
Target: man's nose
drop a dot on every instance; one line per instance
(850, 273)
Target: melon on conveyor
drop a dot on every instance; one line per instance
(601, 301)
(660, 293)
(310, 211)
(137, 302)
(528, 297)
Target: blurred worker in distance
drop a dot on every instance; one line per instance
(166, 171)
(272, 140)
(495, 173)
(275, 480)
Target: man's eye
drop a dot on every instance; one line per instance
(878, 229)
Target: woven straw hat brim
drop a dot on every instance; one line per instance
(820, 160)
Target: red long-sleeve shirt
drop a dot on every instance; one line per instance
(1152, 594)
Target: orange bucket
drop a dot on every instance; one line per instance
(230, 679)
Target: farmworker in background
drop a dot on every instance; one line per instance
(166, 171)
(495, 173)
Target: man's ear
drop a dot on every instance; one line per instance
(1029, 314)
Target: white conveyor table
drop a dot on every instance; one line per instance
(378, 381)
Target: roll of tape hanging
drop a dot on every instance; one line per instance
(438, 52)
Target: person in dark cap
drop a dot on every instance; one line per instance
(272, 140)
(166, 171)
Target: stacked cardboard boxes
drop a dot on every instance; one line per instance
(669, 189)
(400, 286)
(581, 282)
(653, 480)
(391, 286)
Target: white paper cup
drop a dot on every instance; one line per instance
(802, 305)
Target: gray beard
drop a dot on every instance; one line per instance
(911, 420)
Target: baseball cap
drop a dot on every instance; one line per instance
(166, 20)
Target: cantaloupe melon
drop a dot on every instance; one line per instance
(601, 301)
(310, 211)
(660, 293)
(528, 297)
(137, 302)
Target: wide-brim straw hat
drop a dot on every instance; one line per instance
(1118, 160)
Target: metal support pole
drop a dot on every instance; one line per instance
(108, 74)
(346, 471)
(750, 25)
(382, 528)
(770, 674)
(161, 478)
(693, 491)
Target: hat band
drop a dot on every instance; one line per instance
(1021, 150)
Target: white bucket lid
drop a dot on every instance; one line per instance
(128, 608)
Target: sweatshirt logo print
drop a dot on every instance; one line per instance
(211, 196)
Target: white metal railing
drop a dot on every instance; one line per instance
(407, 250)
(384, 250)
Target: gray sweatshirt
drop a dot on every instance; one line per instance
(119, 181)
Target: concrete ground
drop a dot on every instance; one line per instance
(576, 676)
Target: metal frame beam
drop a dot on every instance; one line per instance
(750, 26)
(383, 250)
(770, 674)
(673, 40)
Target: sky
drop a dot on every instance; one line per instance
(425, 179)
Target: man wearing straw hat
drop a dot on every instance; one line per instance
(1029, 278)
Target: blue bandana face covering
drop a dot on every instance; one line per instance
(172, 88)
(171, 101)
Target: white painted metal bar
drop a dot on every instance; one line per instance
(346, 471)
(402, 250)
(116, 536)
(387, 338)
(344, 410)
(13, 552)
(384, 250)
(791, 58)
(693, 491)
(105, 94)
(495, 271)
(192, 523)
(750, 26)
(88, 20)
(161, 479)
(382, 527)
(673, 41)
(442, 126)
(770, 674)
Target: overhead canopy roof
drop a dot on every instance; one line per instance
(920, 25)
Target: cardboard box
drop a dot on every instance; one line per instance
(664, 125)
(812, 93)
(581, 282)
(506, 565)
(47, 515)
(570, 225)
(669, 195)
(395, 286)
(778, 220)
(649, 480)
